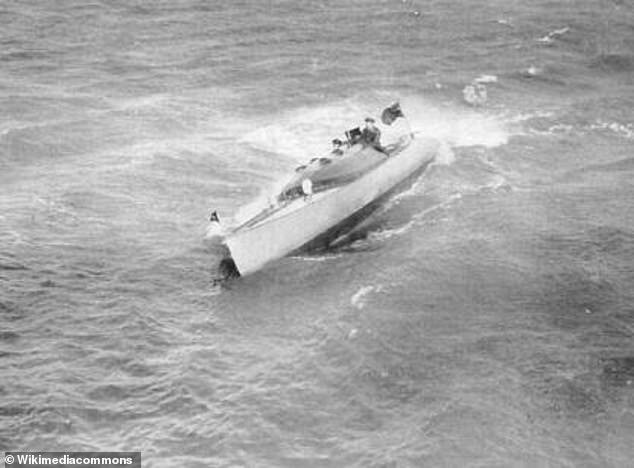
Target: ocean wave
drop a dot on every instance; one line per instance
(359, 299)
(13, 125)
(475, 94)
(385, 234)
(551, 36)
(416, 189)
(622, 130)
(556, 129)
(616, 62)
(486, 79)
(523, 117)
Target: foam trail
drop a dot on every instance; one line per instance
(456, 126)
(317, 258)
(385, 234)
(306, 132)
(623, 130)
(445, 155)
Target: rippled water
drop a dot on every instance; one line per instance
(482, 318)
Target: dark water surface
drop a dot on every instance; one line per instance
(485, 320)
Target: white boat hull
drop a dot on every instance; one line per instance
(304, 223)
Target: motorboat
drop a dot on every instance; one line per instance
(328, 197)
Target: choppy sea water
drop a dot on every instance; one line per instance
(484, 318)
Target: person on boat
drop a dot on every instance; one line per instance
(307, 189)
(337, 147)
(371, 135)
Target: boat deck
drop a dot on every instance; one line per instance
(286, 207)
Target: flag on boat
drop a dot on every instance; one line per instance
(390, 114)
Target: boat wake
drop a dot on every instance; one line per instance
(306, 132)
